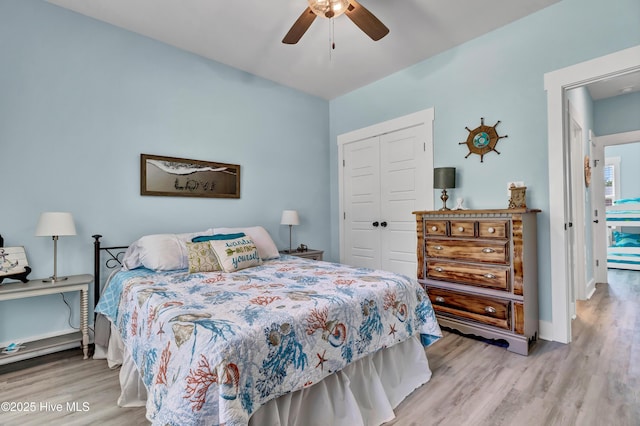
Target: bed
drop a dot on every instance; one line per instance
(623, 224)
(285, 340)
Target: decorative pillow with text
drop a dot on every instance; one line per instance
(236, 254)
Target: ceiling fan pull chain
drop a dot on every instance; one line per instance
(332, 41)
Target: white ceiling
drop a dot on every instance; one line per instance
(247, 34)
(618, 85)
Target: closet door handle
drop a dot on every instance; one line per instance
(375, 224)
(383, 224)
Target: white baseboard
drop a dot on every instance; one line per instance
(545, 330)
(591, 288)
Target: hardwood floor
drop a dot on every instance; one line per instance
(593, 381)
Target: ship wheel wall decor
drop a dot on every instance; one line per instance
(482, 139)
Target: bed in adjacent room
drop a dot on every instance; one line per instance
(623, 223)
(260, 338)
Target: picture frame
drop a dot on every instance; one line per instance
(13, 264)
(182, 177)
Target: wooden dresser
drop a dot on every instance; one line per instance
(480, 270)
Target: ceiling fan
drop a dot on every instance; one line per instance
(360, 16)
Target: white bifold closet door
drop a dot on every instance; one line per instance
(385, 179)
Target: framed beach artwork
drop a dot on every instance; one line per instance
(181, 177)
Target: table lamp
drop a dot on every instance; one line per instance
(290, 217)
(443, 178)
(55, 224)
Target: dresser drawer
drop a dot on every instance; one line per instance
(489, 276)
(482, 309)
(435, 227)
(477, 251)
(493, 229)
(462, 228)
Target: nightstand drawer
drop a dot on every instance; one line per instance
(489, 276)
(476, 251)
(436, 227)
(462, 228)
(493, 229)
(483, 309)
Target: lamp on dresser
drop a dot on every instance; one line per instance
(444, 178)
(54, 225)
(290, 217)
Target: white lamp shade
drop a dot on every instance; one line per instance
(290, 217)
(55, 224)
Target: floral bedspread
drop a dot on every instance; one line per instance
(211, 348)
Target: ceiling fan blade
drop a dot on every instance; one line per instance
(366, 21)
(300, 27)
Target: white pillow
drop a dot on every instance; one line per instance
(160, 252)
(267, 249)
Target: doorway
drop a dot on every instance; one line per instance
(556, 84)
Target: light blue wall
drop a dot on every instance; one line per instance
(81, 100)
(616, 115)
(629, 168)
(499, 76)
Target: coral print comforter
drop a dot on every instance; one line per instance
(211, 348)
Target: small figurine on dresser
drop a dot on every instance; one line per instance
(459, 202)
(518, 198)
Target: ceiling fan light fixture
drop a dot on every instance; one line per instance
(328, 8)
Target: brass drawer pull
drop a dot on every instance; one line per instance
(437, 247)
(439, 299)
(434, 228)
(488, 250)
(490, 276)
(491, 230)
(490, 309)
(438, 269)
(460, 229)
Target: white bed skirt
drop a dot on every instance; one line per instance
(363, 393)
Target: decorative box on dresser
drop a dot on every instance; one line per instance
(480, 270)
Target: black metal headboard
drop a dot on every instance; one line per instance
(113, 259)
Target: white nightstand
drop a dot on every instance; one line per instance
(34, 288)
(308, 254)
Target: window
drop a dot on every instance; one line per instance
(611, 180)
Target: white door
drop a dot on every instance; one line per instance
(385, 174)
(599, 211)
(403, 190)
(361, 186)
(577, 193)
(385, 181)
(569, 215)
